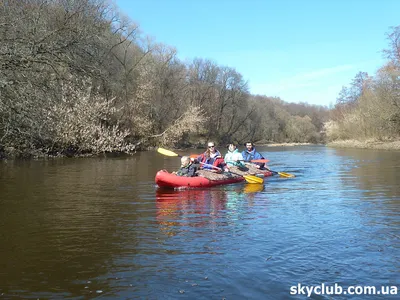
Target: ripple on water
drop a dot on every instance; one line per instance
(75, 229)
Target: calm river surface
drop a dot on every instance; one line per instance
(100, 228)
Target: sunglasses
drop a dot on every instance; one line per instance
(211, 146)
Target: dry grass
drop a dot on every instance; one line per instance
(367, 144)
(212, 175)
(288, 144)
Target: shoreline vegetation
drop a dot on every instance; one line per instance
(367, 144)
(354, 144)
(78, 78)
(286, 144)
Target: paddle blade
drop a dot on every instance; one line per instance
(166, 152)
(259, 160)
(253, 188)
(287, 175)
(253, 179)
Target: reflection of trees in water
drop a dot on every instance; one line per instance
(202, 207)
(374, 176)
(60, 225)
(376, 173)
(193, 208)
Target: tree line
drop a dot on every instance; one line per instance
(78, 77)
(369, 108)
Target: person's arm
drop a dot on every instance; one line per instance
(198, 160)
(192, 171)
(179, 172)
(259, 156)
(222, 164)
(239, 160)
(244, 155)
(229, 159)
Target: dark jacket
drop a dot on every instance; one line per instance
(188, 171)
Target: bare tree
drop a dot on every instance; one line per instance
(393, 53)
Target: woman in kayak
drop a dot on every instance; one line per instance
(212, 159)
(233, 157)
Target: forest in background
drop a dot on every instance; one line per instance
(369, 108)
(78, 77)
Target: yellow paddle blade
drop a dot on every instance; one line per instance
(166, 152)
(283, 174)
(253, 188)
(253, 179)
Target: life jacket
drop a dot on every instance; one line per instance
(216, 161)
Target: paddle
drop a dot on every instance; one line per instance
(282, 174)
(253, 161)
(249, 178)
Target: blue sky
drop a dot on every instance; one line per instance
(300, 51)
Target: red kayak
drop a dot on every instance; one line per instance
(169, 180)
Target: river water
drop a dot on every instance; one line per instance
(99, 228)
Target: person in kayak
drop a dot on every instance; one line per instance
(233, 157)
(188, 168)
(250, 153)
(212, 157)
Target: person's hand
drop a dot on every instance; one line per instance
(257, 166)
(226, 169)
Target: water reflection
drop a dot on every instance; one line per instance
(376, 176)
(253, 188)
(373, 167)
(177, 209)
(193, 208)
(59, 219)
(98, 227)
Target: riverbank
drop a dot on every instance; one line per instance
(367, 144)
(12, 154)
(287, 144)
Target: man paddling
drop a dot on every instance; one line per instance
(250, 153)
